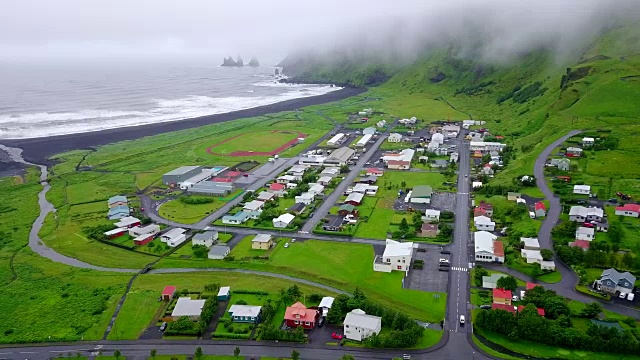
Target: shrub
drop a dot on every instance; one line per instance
(195, 200)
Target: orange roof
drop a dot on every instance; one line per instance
(300, 312)
(498, 248)
(501, 294)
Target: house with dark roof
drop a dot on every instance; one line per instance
(297, 208)
(428, 230)
(614, 282)
(333, 223)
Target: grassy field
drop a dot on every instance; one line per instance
(178, 211)
(243, 249)
(341, 265)
(137, 313)
(379, 208)
(257, 141)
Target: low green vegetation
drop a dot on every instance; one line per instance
(189, 210)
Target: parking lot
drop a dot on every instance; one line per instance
(430, 278)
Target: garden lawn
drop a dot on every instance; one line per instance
(548, 351)
(137, 313)
(255, 141)
(244, 250)
(176, 210)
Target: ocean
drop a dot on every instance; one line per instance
(40, 100)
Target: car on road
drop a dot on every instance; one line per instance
(336, 336)
(444, 251)
(461, 319)
(443, 262)
(163, 327)
(406, 357)
(286, 245)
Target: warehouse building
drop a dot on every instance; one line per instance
(183, 173)
(340, 156)
(211, 188)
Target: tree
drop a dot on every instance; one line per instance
(117, 354)
(236, 352)
(546, 254)
(417, 220)
(507, 282)
(198, 354)
(404, 226)
(295, 355)
(591, 310)
(200, 251)
(153, 353)
(615, 233)
(536, 270)
(347, 357)
(478, 274)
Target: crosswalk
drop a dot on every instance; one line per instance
(455, 268)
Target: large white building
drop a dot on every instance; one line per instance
(582, 189)
(174, 237)
(363, 142)
(487, 248)
(484, 223)
(484, 146)
(336, 139)
(397, 256)
(359, 326)
(394, 137)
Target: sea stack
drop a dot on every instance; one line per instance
(229, 62)
(277, 72)
(239, 62)
(254, 62)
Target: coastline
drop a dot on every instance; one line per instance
(38, 150)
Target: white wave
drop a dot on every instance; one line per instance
(34, 125)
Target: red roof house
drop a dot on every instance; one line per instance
(628, 210)
(540, 209)
(502, 296)
(540, 205)
(277, 187)
(168, 292)
(488, 208)
(540, 310)
(375, 172)
(298, 315)
(505, 307)
(479, 212)
(584, 244)
(498, 249)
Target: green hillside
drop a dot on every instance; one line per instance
(532, 100)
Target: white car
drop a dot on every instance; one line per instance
(286, 245)
(461, 319)
(623, 295)
(514, 298)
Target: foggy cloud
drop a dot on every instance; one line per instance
(495, 30)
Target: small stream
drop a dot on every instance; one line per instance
(35, 243)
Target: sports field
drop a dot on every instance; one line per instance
(261, 143)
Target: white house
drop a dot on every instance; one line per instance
(288, 178)
(530, 243)
(330, 171)
(396, 256)
(394, 137)
(185, 306)
(437, 138)
(588, 141)
(254, 205)
(366, 189)
(325, 305)
(582, 189)
(297, 170)
(532, 256)
(585, 233)
(265, 196)
(218, 252)
(305, 198)
(431, 216)
(582, 214)
(283, 221)
(484, 223)
(174, 237)
(632, 210)
(316, 189)
(359, 326)
(206, 238)
(325, 180)
(487, 248)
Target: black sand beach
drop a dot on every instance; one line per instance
(38, 150)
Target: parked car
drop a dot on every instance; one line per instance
(588, 225)
(336, 336)
(321, 322)
(485, 307)
(443, 251)
(515, 298)
(163, 327)
(286, 245)
(293, 240)
(623, 295)
(631, 296)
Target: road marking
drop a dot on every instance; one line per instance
(28, 352)
(459, 269)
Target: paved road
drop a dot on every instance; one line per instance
(330, 200)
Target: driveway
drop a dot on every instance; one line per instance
(429, 278)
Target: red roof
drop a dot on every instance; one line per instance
(498, 248)
(487, 165)
(277, 187)
(300, 312)
(222, 179)
(629, 207)
(531, 285)
(540, 205)
(504, 307)
(581, 244)
(478, 211)
(374, 171)
(169, 290)
(540, 310)
(485, 205)
(501, 294)
(233, 174)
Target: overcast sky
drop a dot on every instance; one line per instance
(140, 29)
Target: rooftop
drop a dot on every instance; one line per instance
(187, 307)
(209, 234)
(501, 294)
(394, 248)
(245, 310)
(262, 238)
(422, 191)
(360, 319)
(219, 250)
(181, 170)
